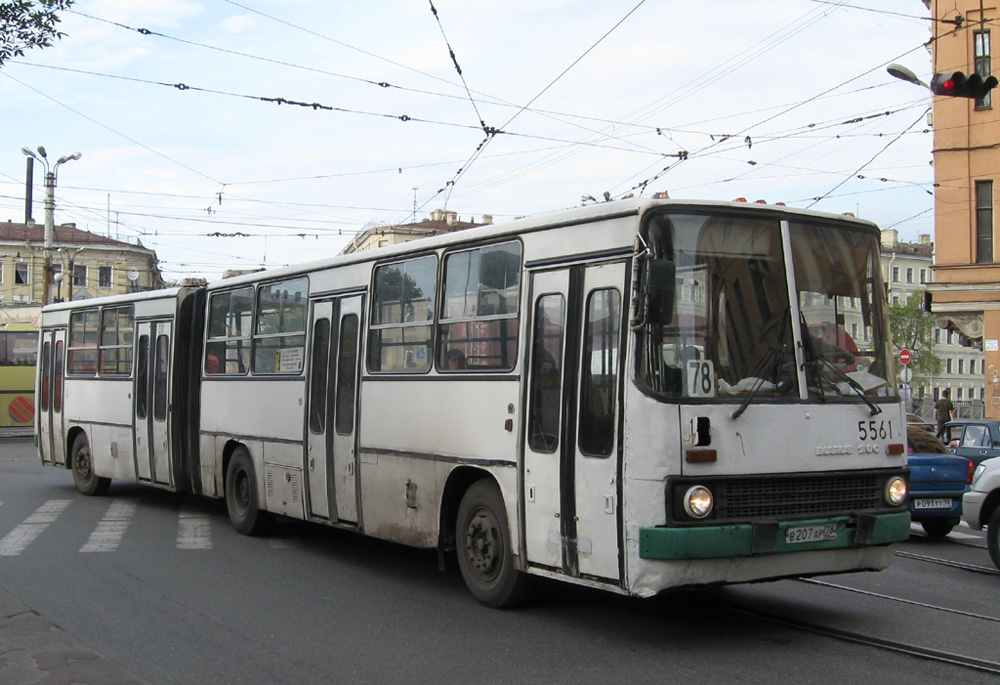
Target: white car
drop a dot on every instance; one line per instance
(981, 505)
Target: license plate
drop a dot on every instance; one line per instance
(932, 504)
(819, 533)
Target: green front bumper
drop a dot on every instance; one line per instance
(752, 539)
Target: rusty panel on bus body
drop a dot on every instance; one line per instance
(252, 412)
(768, 438)
(111, 441)
(466, 419)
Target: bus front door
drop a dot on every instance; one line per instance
(572, 429)
(331, 466)
(152, 401)
(51, 431)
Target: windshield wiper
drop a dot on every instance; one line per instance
(815, 358)
(778, 353)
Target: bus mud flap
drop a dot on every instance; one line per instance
(864, 531)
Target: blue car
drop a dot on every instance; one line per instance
(977, 439)
(937, 482)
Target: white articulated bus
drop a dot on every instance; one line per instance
(634, 395)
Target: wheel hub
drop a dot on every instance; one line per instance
(481, 540)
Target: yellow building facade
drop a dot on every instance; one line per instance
(966, 286)
(84, 265)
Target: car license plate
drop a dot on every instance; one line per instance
(799, 534)
(932, 504)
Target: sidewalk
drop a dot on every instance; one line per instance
(35, 650)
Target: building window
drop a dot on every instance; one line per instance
(923, 275)
(909, 275)
(895, 274)
(104, 277)
(21, 273)
(961, 366)
(937, 336)
(80, 275)
(958, 394)
(948, 365)
(984, 222)
(981, 47)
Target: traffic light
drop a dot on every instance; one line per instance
(956, 84)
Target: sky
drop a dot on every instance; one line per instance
(229, 134)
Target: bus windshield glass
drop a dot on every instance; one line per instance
(734, 329)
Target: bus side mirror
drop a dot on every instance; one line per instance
(658, 291)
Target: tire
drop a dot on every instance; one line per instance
(483, 546)
(241, 496)
(993, 537)
(82, 463)
(937, 528)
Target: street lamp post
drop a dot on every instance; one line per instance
(904, 74)
(51, 175)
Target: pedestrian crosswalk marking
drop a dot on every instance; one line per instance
(194, 530)
(17, 540)
(111, 529)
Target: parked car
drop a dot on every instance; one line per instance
(977, 439)
(915, 420)
(981, 505)
(938, 480)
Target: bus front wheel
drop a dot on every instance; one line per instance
(993, 537)
(484, 552)
(86, 481)
(241, 495)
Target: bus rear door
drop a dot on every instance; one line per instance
(572, 454)
(51, 431)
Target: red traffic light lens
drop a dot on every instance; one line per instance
(949, 85)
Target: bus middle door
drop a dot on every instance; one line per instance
(572, 454)
(152, 401)
(333, 386)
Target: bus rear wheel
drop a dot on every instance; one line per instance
(484, 552)
(82, 463)
(241, 496)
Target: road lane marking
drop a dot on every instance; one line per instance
(111, 529)
(17, 540)
(194, 530)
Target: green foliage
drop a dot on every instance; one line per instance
(26, 24)
(913, 328)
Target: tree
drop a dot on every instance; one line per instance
(26, 24)
(913, 329)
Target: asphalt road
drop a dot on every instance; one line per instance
(146, 586)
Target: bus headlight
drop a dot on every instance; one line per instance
(698, 502)
(895, 491)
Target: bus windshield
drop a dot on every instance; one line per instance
(735, 328)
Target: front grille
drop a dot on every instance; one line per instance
(775, 497)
